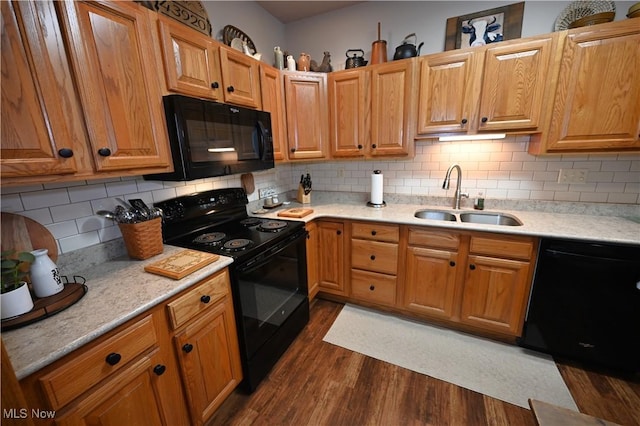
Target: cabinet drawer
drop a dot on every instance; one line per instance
(198, 299)
(373, 287)
(428, 238)
(375, 231)
(69, 381)
(502, 247)
(374, 256)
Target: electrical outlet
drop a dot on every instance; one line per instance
(266, 192)
(572, 176)
(341, 172)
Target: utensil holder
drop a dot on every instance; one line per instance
(143, 239)
(302, 197)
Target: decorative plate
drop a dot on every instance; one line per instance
(230, 33)
(236, 44)
(579, 9)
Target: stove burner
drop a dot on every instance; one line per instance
(210, 238)
(272, 225)
(252, 221)
(237, 244)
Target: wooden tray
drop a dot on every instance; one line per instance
(181, 264)
(47, 306)
(296, 212)
(21, 233)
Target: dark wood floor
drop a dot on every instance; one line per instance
(316, 383)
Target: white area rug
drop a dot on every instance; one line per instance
(502, 371)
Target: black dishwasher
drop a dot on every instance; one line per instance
(585, 303)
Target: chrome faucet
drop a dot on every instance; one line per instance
(458, 194)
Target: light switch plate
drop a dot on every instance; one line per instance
(573, 176)
(266, 192)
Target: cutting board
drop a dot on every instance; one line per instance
(181, 264)
(296, 212)
(21, 233)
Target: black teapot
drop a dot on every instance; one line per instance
(355, 61)
(406, 49)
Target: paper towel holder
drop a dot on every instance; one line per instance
(376, 205)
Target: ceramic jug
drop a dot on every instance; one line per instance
(304, 63)
(45, 277)
(279, 58)
(291, 63)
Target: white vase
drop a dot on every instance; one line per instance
(45, 277)
(16, 302)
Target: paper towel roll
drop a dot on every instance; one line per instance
(376, 187)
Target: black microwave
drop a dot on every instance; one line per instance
(211, 139)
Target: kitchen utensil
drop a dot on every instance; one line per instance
(21, 233)
(107, 214)
(379, 50)
(407, 49)
(355, 61)
(124, 203)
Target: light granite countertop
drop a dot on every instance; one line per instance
(607, 228)
(118, 290)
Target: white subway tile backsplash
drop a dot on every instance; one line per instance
(87, 192)
(63, 229)
(116, 189)
(11, 203)
(79, 241)
(71, 211)
(45, 198)
(616, 166)
(622, 198)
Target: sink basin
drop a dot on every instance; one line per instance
(435, 215)
(491, 219)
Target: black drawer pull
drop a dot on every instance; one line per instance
(472, 267)
(65, 152)
(293, 150)
(104, 152)
(484, 119)
(372, 287)
(359, 146)
(215, 85)
(113, 358)
(452, 263)
(464, 121)
(339, 232)
(187, 347)
(230, 89)
(373, 257)
(374, 146)
(159, 369)
(205, 299)
(373, 233)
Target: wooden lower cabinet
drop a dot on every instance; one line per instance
(172, 365)
(313, 280)
(331, 260)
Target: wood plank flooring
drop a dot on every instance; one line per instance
(316, 383)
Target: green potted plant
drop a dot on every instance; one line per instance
(15, 297)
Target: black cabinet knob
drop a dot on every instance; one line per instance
(113, 358)
(205, 299)
(374, 146)
(373, 257)
(215, 85)
(464, 121)
(230, 89)
(373, 233)
(484, 119)
(452, 263)
(293, 150)
(65, 153)
(159, 369)
(187, 347)
(339, 232)
(104, 152)
(472, 267)
(359, 146)
(372, 287)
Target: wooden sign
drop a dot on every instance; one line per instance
(191, 13)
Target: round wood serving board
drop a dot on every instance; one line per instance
(21, 233)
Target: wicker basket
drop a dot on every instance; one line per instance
(143, 239)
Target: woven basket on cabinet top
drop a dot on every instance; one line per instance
(143, 239)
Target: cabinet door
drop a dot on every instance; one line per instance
(331, 257)
(191, 61)
(306, 105)
(113, 58)
(349, 112)
(210, 360)
(312, 259)
(495, 294)
(447, 84)
(273, 102)
(131, 398)
(513, 84)
(241, 78)
(430, 281)
(596, 106)
(37, 94)
(392, 117)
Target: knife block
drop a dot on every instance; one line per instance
(302, 197)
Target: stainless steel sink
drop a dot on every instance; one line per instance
(435, 215)
(491, 219)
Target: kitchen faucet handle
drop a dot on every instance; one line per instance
(464, 195)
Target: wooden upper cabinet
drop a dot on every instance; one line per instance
(349, 112)
(113, 56)
(41, 121)
(392, 108)
(307, 122)
(492, 88)
(273, 102)
(191, 61)
(596, 105)
(241, 78)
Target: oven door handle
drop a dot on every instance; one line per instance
(264, 257)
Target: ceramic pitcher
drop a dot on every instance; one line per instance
(45, 277)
